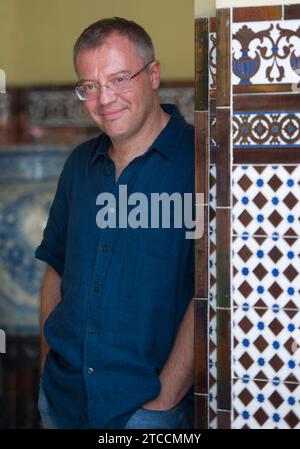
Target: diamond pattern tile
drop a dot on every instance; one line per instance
(267, 271)
(266, 344)
(266, 200)
(265, 405)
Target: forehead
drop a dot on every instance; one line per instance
(116, 53)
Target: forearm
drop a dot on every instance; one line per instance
(177, 375)
(50, 297)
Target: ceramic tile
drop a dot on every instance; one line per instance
(202, 260)
(212, 330)
(266, 344)
(224, 348)
(223, 259)
(201, 356)
(266, 272)
(268, 129)
(23, 213)
(265, 103)
(265, 405)
(255, 13)
(201, 412)
(292, 12)
(213, 418)
(265, 52)
(212, 185)
(224, 419)
(201, 64)
(265, 200)
(224, 55)
(223, 156)
(201, 154)
(212, 61)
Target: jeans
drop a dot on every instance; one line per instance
(174, 418)
(48, 418)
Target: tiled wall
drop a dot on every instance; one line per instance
(252, 172)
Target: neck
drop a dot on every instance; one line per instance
(124, 150)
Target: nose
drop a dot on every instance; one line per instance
(106, 96)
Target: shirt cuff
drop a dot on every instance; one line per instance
(58, 265)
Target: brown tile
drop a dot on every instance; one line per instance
(201, 339)
(262, 102)
(201, 412)
(224, 359)
(201, 260)
(223, 257)
(212, 155)
(224, 55)
(201, 154)
(212, 25)
(265, 155)
(212, 106)
(254, 14)
(224, 419)
(261, 88)
(292, 12)
(223, 156)
(201, 64)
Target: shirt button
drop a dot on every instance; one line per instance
(108, 173)
(112, 210)
(96, 289)
(90, 370)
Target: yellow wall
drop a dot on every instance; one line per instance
(37, 36)
(205, 8)
(236, 3)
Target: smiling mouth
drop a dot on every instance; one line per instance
(111, 115)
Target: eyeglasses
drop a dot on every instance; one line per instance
(89, 90)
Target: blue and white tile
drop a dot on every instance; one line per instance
(265, 52)
(266, 272)
(266, 200)
(265, 405)
(266, 344)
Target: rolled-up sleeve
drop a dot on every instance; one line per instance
(53, 245)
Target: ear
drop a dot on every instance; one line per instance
(155, 74)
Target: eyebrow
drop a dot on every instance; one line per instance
(112, 75)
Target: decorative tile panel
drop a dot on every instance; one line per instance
(266, 272)
(266, 52)
(267, 129)
(266, 200)
(266, 405)
(266, 344)
(27, 184)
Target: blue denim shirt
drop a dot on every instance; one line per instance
(124, 291)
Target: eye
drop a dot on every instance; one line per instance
(118, 80)
(90, 87)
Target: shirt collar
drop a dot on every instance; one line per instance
(165, 143)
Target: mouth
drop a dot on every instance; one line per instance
(112, 114)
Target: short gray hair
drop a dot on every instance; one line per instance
(96, 34)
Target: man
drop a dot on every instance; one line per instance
(116, 301)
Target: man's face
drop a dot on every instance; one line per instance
(120, 116)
